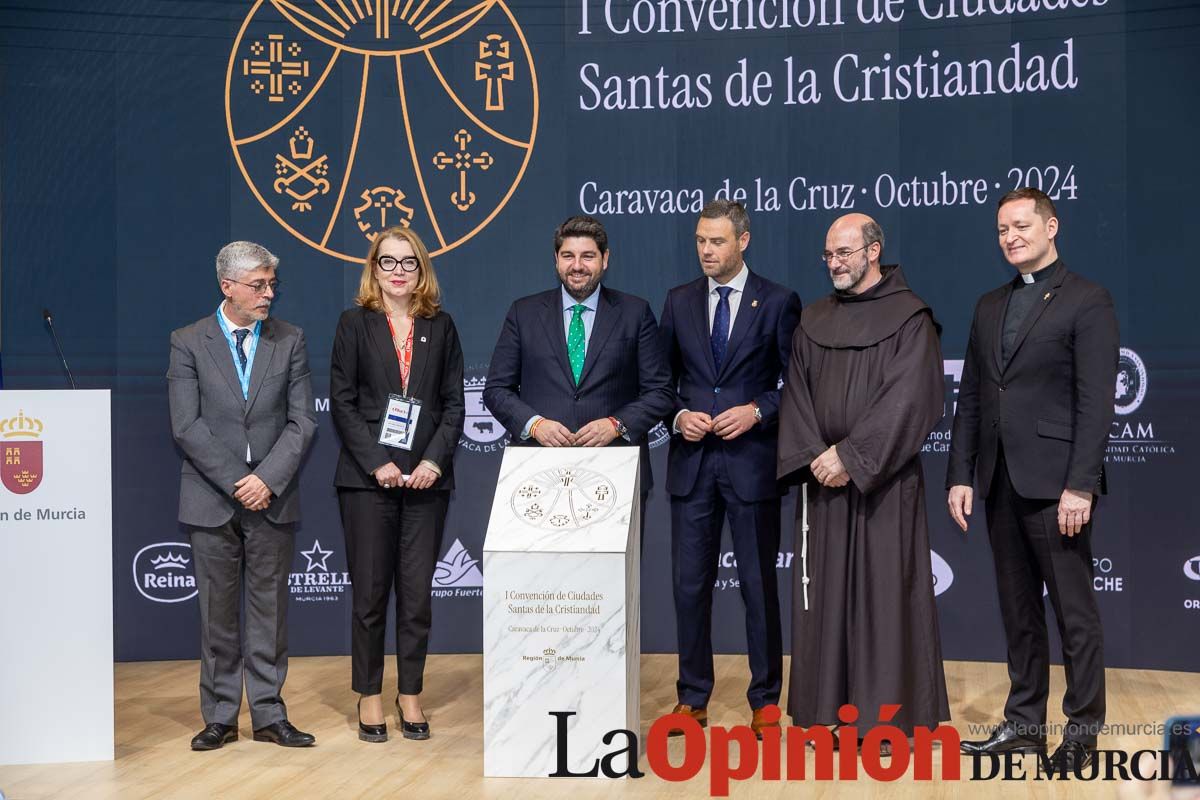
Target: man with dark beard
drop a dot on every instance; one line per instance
(863, 390)
(580, 365)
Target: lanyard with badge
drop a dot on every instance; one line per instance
(253, 336)
(399, 422)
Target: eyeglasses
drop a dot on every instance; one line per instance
(389, 264)
(841, 254)
(258, 287)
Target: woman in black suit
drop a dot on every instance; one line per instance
(396, 341)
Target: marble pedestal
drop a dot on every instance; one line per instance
(560, 608)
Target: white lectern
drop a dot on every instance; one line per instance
(561, 628)
(56, 577)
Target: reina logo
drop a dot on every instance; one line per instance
(161, 574)
(21, 470)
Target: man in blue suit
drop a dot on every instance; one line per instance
(728, 336)
(580, 365)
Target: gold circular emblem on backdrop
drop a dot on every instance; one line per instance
(349, 116)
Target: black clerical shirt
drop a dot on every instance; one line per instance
(1023, 298)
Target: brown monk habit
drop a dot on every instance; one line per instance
(865, 375)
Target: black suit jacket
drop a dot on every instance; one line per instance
(364, 370)
(756, 358)
(625, 373)
(1051, 406)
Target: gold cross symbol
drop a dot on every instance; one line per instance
(275, 68)
(494, 73)
(462, 161)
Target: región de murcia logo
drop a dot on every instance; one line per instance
(348, 118)
(20, 441)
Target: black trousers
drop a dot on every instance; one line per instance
(1028, 551)
(696, 523)
(392, 542)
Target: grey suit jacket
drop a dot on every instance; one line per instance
(213, 424)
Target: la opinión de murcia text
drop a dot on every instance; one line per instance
(819, 75)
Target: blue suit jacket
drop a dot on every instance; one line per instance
(625, 372)
(755, 361)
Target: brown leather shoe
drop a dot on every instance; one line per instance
(758, 722)
(698, 714)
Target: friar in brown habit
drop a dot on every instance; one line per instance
(864, 389)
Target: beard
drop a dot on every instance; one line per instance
(586, 291)
(852, 277)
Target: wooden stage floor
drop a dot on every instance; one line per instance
(157, 712)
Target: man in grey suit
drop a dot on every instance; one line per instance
(242, 413)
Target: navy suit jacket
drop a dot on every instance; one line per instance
(625, 373)
(756, 359)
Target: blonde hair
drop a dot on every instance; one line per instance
(426, 298)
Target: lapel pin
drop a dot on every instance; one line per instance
(754, 304)
(423, 338)
(1046, 296)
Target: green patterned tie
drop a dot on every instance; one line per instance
(575, 344)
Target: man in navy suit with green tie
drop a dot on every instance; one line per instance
(580, 365)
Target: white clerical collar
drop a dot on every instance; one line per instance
(737, 282)
(1027, 278)
(230, 324)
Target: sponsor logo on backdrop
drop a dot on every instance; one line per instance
(447, 177)
(457, 574)
(162, 572)
(482, 433)
(658, 435)
(1104, 578)
(20, 443)
(1134, 438)
(943, 576)
(318, 583)
(728, 561)
(1191, 568)
(938, 440)
(1131, 382)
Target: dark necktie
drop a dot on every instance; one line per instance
(720, 327)
(240, 334)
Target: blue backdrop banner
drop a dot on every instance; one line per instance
(138, 137)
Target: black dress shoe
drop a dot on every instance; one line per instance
(214, 736)
(411, 730)
(1004, 739)
(285, 734)
(370, 733)
(1072, 755)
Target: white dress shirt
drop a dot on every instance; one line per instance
(738, 284)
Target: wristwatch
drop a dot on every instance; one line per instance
(622, 431)
(757, 412)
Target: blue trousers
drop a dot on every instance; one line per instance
(696, 523)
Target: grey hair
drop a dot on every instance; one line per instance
(731, 210)
(238, 258)
(872, 233)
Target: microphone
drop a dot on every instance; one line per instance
(58, 346)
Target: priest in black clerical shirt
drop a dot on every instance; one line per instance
(1034, 409)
